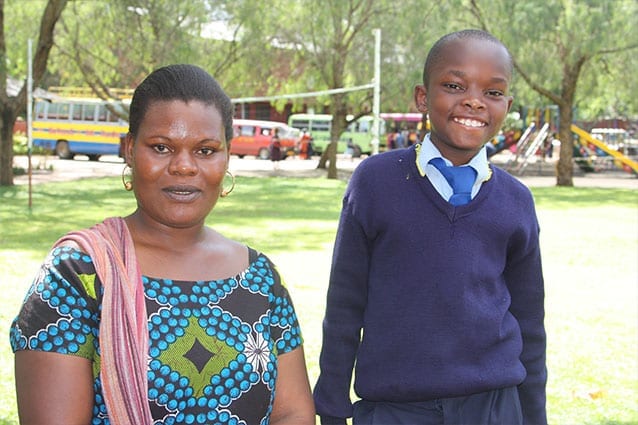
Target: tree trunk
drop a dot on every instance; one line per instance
(10, 107)
(565, 166)
(323, 159)
(332, 155)
(8, 117)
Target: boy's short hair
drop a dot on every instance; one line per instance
(437, 48)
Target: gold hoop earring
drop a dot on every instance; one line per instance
(225, 192)
(128, 184)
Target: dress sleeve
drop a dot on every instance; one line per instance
(60, 312)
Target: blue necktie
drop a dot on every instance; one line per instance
(461, 179)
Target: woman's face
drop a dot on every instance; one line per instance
(179, 159)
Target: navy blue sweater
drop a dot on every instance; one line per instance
(432, 300)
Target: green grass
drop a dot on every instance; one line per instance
(590, 251)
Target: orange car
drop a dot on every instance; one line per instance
(252, 137)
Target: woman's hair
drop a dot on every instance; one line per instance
(436, 52)
(180, 82)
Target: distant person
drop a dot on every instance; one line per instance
(436, 295)
(157, 318)
(275, 149)
(305, 145)
(399, 140)
(349, 151)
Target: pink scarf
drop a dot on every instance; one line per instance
(123, 328)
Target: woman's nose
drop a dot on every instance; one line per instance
(183, 163)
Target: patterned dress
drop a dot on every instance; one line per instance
(213, 344)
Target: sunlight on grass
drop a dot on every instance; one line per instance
(590, 255)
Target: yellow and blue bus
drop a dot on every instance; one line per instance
(70, 126)
(358, 133)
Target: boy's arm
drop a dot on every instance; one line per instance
(347, 294)
(525, 280)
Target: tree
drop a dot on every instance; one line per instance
(127, 39)
(329, 38)
(12, 106)
(572, 37)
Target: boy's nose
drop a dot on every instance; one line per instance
(474, 102)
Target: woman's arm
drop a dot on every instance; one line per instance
(53, 389)
(293, 401)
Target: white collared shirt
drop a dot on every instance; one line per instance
(428, 151)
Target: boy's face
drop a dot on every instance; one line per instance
(467, 97)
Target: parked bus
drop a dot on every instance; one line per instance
(358, 132)
(72, 126)
(253, 137)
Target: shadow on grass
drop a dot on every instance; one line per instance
(604, 422)
(583, 197)
(266, 213)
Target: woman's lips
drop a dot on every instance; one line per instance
(182, 193)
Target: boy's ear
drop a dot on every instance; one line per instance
(420, 98)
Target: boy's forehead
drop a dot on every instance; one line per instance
(466, 51)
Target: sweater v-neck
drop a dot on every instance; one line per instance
(408, 161)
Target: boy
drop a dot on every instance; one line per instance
(437, 296)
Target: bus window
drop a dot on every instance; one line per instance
(300, 124)
(40, 109)
(320, 126)
(88, 112)
(101, 113)
(63, 111)
(76, 111)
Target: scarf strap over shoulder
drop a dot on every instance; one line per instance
(123, 326)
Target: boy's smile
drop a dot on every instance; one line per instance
(467, 97)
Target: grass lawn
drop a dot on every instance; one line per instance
(590, 252)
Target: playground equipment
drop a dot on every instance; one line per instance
(526, 147)
(505, 145)
(622, 161)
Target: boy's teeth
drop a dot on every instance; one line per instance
(469, 123)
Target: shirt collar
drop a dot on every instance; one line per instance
(427, 151)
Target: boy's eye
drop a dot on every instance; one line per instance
(207, 151)
(495, 93)
(453, 86)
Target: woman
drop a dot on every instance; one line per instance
(157, 318)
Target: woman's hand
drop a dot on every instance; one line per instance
(293, 400)
(53, 389)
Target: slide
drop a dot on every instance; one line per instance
(626, 163)
(521, 140)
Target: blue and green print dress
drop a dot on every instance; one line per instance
(213, 344)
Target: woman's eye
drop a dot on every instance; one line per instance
(160, 148)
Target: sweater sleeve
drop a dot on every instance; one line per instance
(524, 278)
(343, 321)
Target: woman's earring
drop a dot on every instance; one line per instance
(128, 184)
(225, 192)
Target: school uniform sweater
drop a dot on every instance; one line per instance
(431, 300)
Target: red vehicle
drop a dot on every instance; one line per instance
(253, 137)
